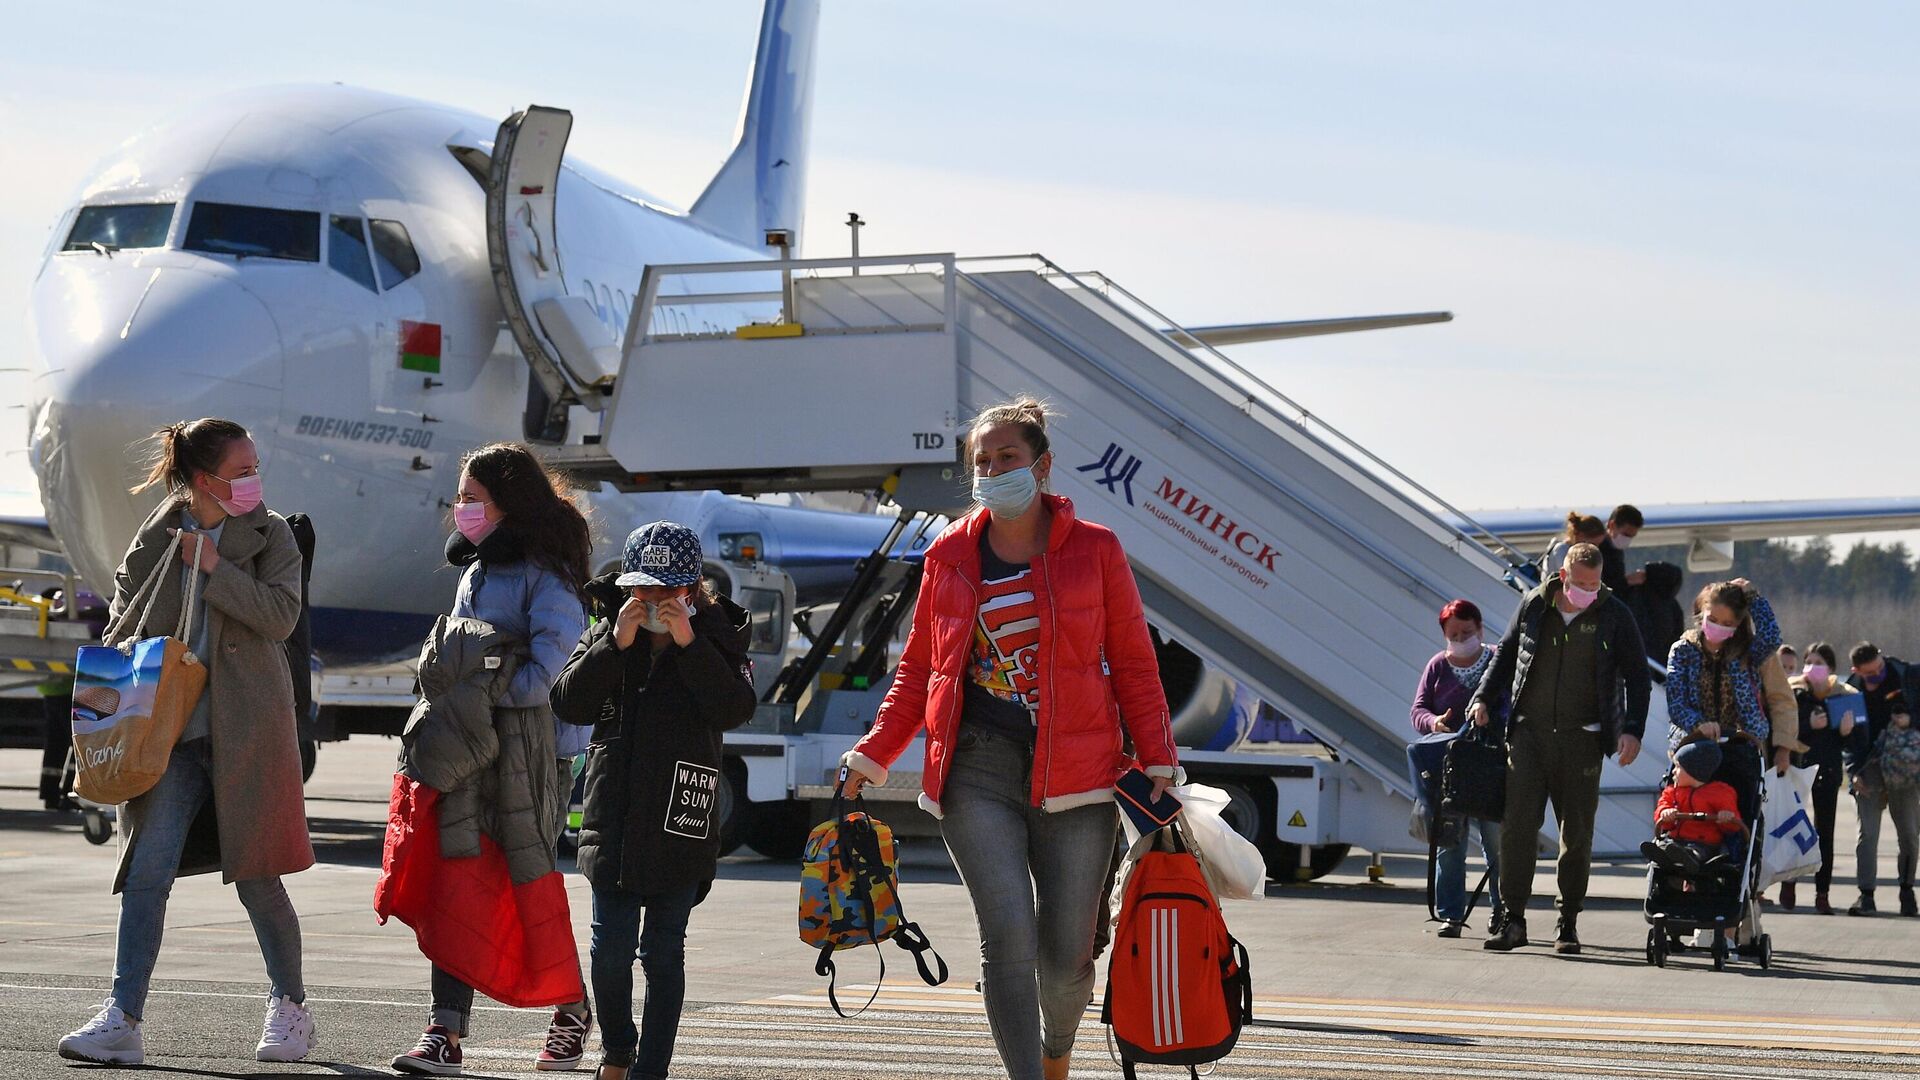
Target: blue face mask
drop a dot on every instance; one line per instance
(1009, 494)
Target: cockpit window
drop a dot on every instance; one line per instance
(347, 250)
(393, 252)
(133, 225)
(254, 232)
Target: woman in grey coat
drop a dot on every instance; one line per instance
(523, 547)
(230, 799)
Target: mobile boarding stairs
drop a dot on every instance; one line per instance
(1263, 540)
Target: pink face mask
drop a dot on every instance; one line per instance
(1714, 632)
(1817, 674)
(471, 519)
(244, 494)
(1579, 599)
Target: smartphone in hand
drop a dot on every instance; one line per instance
(1134, 793)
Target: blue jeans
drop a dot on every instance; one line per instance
(1036, 880)
(169, 810)
(662, 949)
(1450, 871)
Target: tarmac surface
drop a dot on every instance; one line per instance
(1349, 980)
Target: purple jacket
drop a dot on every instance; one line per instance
(1441, 690)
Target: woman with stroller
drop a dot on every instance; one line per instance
(1717, 683)
(1824, 734)
(1440, 704)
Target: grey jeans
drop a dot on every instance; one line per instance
(1036, 881)
(170, 808)
(1903, 806)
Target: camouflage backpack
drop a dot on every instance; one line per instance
(850, 896)
(1899, 757)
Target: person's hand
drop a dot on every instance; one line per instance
(626, 625)
(209, 557)
(1782, 759)
(1667, 814)
(1160, 786)
(1707, 729)
(1743, 583)
(1818, 720)
(1443, 722)
(851, 781)
(679, 619)
(1846, 723)
(1637, 578)
(1481, 717)
(1726, 817)
(1629, 749)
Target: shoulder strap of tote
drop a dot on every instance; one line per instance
(150, 591)
(183, 631)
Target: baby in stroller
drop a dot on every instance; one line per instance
(1704, 860)
(1696, 816)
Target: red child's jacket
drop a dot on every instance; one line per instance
(1705, 799)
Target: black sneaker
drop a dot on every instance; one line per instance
(1864, 906)
(1494, 924)
(1512, 935)
(1566, 938)
(1908, 906)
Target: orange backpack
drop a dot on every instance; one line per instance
(1178, 989)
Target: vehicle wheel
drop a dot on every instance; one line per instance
(1719, 951)
(95, 827)
(1766, 951)
(1283, 860)
(731, 805)
(778, 830)
(309, 757)
(1243, 815)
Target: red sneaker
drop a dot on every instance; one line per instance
(566, 1042)
(436, 1055)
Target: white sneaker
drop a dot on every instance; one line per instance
(288, 1033)
(108, 1039)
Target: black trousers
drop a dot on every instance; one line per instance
(1826, 801)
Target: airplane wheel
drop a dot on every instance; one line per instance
(95, 827)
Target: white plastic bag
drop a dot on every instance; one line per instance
(1791, 847)
(1233, 866)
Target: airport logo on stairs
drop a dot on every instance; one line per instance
(1189, 514)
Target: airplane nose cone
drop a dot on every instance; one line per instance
(123, 351)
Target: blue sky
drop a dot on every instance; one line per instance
(1680, 240)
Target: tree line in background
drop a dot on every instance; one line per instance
(1868, 594)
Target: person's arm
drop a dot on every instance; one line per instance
(1766, 629)
(556, 616)
(1613, 570)
(720, 681)
(1683, 685)
(1422, 713)
(1497, 683)
(1669, 801)
(1783, 709)
(589, 679)
(903, 712)
(1631, 652)
(1134, 670)
(267, 601)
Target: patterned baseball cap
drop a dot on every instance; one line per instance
(660, 553)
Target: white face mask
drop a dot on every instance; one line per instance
(654, 623)
(1621, 541)
(1464, 650)
(1009, 494)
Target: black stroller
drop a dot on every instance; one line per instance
(1723, 893)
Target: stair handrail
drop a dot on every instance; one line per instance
(1507, 554)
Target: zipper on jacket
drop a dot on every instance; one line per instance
(1047, 688)
(1104, 669)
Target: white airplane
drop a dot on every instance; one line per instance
(315, 262)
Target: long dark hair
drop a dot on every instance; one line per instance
(540, 513)
(184, 450)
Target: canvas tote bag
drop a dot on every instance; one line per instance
(132, 697)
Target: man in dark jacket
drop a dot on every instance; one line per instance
(1623, 525)
(1879, 679)
(1655, 604)
(1570, 655)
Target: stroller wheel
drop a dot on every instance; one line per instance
(95, 827)
(1719, 952)
(1766, 951)
(1657, 947)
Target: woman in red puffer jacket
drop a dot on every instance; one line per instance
(1028, 666)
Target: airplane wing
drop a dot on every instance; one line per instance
(1709, 529)
(1193, 337)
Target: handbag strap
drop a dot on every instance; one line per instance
(184, 629)
(148, 589)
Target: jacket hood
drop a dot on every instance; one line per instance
(1664, 578)
(957, 544)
